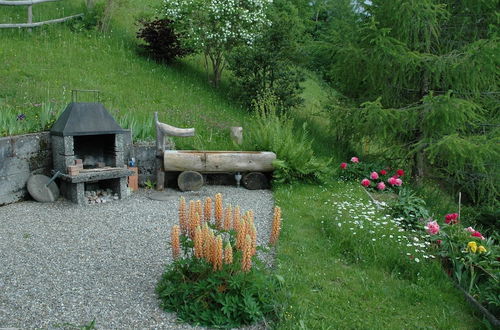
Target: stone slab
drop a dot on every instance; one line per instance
(95, 176)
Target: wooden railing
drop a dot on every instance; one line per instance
(30, 23)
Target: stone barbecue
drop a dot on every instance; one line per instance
(87, 139)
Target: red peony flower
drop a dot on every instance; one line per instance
(451, 218)
(400, 172)
(343, 166)
(477, 234)
(365, 182)
(392, 181)
(383, 172)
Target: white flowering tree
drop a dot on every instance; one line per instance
(215, 27)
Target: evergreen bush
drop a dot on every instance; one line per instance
(162, 43)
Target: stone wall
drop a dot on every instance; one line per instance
(144, 154)
(20, 156)
(23, 155)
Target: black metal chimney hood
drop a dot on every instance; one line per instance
(82, 118)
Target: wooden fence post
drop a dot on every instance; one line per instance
(30, 16)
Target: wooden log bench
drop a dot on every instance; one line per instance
(248, 166)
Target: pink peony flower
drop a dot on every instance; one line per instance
(400, 172)
(477, 234)
(432, 227)
(399, 182)
(355, 160)
(381, 186)
(392, 181)
(365, 182)
(374, 175)
(383, 172)
(343, 166)
(470, 230)
(451, 218)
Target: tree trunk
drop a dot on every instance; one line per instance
(217, 67)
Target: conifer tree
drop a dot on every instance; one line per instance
(424, 77)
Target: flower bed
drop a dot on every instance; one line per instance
(469, 257)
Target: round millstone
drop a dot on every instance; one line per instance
(255, 181)
(39, 191)
(190, 181)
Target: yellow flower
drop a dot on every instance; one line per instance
(472, 246)
(481, 249)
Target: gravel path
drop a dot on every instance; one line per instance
(61, 264)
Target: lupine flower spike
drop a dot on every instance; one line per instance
(240, 235)
(175, 242)
(182, 215)
(192, 211)
(275, 233)
(217, 262)
(246, 261)
(195, 223)
(228, 254)
(198, 243)
(236, 218)
(208, 210)
(199, 209)
(227, 217)
(207, 247)
(218, 210)
(253, 236)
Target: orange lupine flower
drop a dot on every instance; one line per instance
(246, 261)
(218, 210)
(175, 242)
(192, 212)
(217, 260)
(253, 236)
(276, 226)
(236, 218)
(198, 243)
(195, 222)
(250, 216)
(227, 217)
(182, 215)
(228, 254)
(207, 247)
(207, 216)
(240, 235)
(199, 209)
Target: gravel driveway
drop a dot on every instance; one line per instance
(62, 265)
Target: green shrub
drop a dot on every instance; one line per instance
(226, 298)
(410, 207)
(293, 146)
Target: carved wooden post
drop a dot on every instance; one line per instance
(163, 131)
